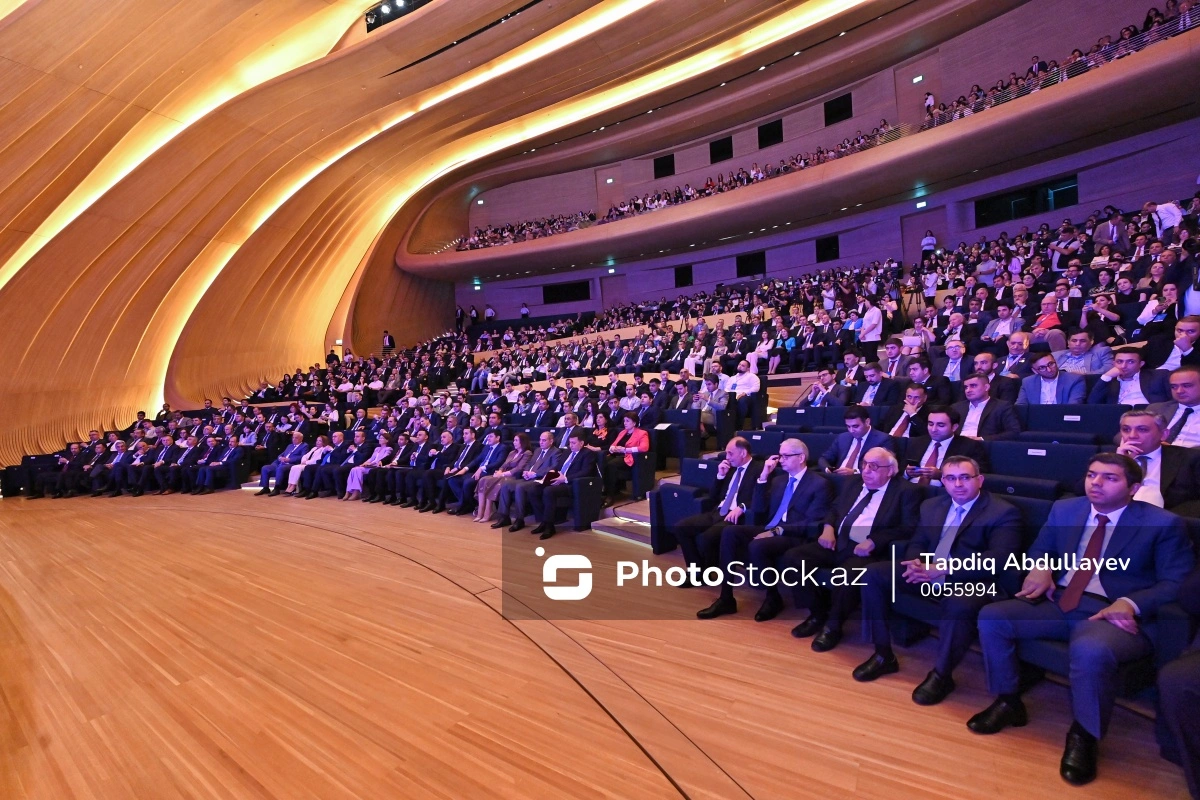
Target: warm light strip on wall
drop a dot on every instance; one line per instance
(208, 266)
(308, 41)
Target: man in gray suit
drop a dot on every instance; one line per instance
(512, 501)
(1082, 357)
(710, 401)
(1048, 386)
(1183, 423)
(1113, 234)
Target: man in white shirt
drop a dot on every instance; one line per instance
(1187, 331)
(742, 389)
(1127, 372)
(871, 332)
(1165, 216)
(1171, 475)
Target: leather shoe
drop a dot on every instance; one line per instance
(502, 523)
(769, 609)
(808, 627)
(462, 510)
(998, 716)
(1078, 765)
(274, 493)
(424, 508)
(409, 504)
(516, 526)
(933, 689)
(826, 640)
(720, 607)
(539, 529)
(438, 509)
(262, 492)
(876, 667)
(546, 534)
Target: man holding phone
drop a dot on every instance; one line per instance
(926, 454)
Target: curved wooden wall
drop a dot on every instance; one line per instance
(194, 202)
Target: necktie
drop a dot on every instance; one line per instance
(732, 491)
(949, 532)
(781, 512)
(1071, 596)
(852, 457)
(855, 513)
(1144, 463)
(567, 463)
(901, 428)
(891, 371)
(932, 461)
(461, 457)
(1177, 428)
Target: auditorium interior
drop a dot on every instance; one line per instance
(599, 398)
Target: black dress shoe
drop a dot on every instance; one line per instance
(546, 534)
(808, 627)
(463, 510)
(374, 499)
(516, 526)
(262, 492)
(502, 523)
(438, 509)
(933, 689)
(274, 493)
(720, 607)
(876, 667)
(1078, 765)
(998, 716)
(769, 609)
(310, 496)
(539, 529)
(826, 640)
(424, 507)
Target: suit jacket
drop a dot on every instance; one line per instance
(1154, 387)
(1154, 541)
(887, 394)
(918, 423)
(682, 403)
(991, 528)
(837, 452)
(998, 422)
(937, 390)
(167, 455)
(1097, 360)
(805, 511)
(745, 494)
(958, 446)
(1070, 390)
(294, 452)
(896, 519)
(1103, 235)
(489, 458)
(1159, 348)
(1021, 367)
(583, 464)
(648, 417)
(837, 396)
(636, 439)
(541, 463)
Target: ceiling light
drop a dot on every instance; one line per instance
(479, 202)
(922, 204)
(388, 10)
(843, 33)
(611, 271)
(608, 180)
(760, 69)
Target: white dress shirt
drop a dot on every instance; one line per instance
(970, 426)
(1189, 436)
(1095, 586)
(1049, 391)
(861, 529)
(1130, 392)
(1151, 488)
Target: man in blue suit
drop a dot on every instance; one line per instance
(488, 460)
(964, 522)
(845, 455)
(220, 470)
(791, 505)
(310, 475)
(579, 462)
(1048, 385)
(279, 468)
(1081, 597)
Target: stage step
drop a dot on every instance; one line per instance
(633, 530)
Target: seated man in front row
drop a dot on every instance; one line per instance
(965, 521)
(1099, 607)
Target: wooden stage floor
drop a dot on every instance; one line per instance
(233, 646)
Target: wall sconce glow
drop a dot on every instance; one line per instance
(478, 202)
(608, 180)
(922, 204)
(918, 79)
(478, 287)
(612, 271)
(338, 342)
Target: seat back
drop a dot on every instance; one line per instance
(803, 418)
(1099, 420)
(1052, 462)
(700, 473)
(1012, 486)
(817, 443)
(684, 417)
(763, 443)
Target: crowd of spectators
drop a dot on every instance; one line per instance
(492, 236)
(1175, 18)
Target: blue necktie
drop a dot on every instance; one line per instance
(783, 505)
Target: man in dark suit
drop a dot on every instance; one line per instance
(469, 450)
(985, 418)
(875, 389)
(963, 522)
(794, 504)
(699, 536)
(579, 462)
(422, 482)
(908, 419)
(1171, 474)
(1049, 385)
(1180, 412)
(282, 465)
(1099, 610)
(680, 399)
(512, 504)
(926, 454)
(331, 477)
(870, 513)
(648, 415)
(1001, 387)
(1016, 363)
(220, 471)
(1128, 383)
(1178, 687)
(110, 476)
(68, 461)
(825, 391)
(491, 456)
(937, 388)
(401, 491)
(846, 452)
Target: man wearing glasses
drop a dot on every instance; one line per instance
(964, 521)
(794, 504)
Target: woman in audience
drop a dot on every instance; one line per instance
(1161, 312)
(761, 351)
(694, 363)
(1151, 284)
(354, 483)
(618, 466)
(487, 491)
(313, 456)
(1104, 283)
(1125, 292)
(1102, 258)
(1102, 321)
